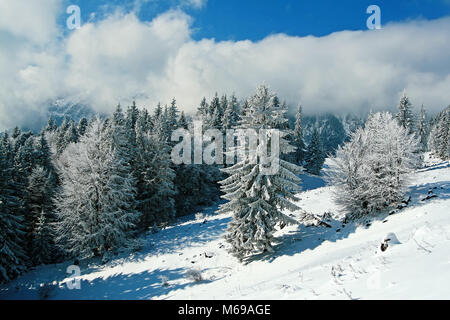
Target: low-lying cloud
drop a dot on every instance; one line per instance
(121, 58)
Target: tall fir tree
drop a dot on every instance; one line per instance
(215, 113)
(298, 141)
(405, 115)
(82, 126)
(231, 115)
(183, 122)
(315, 156)
(256, 199)
(422, 129)
(203, 110)
(155, 182)
(172, 117)
(12, 229)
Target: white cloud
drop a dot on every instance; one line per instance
(121, 58)
(198, 4)
(32, 20)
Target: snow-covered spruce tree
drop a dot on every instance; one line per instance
(231, 114)
(298, 141)
(203, 110)
(96, 206)
(371, 169)
(405, 116)
(51, 124)
(438, 141)
(12, 253)
(82, 126)
(443, 135)
(172, 117)
(422, 129)
(183, 122)
(256, 199)
(215, 113)
(40, 190)
(315, 156)
(155, 187)
(71, 135)
(43, 241)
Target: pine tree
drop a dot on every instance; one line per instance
(155, 185)
(82, 126)
(172, 117)
(315, 156)
(96, 207)
(51, 125)
(42, 244)
(182, 122)
(231, 114)
(40, 191)
(144, 121)
(298, 141)
(438, 140)
(160, 126)
(245, 108)
(405, 116)
(71, 135)
(203, 110)
(61, 139)
(12, 254)
(215, 113)
(422, 129)
(255, 199)
(443, 135)
(16, 133)
(158, 113)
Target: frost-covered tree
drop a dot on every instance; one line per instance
(43, 241)
(298, 141)
(71, 135)
(215, 113)
(82, 126)
(40, 190)
(315, 156)
(405, 115)
(96, 206)
(183, 122)
(157, 114)
(231, 114)
(155, 186)
(370, 170)
(440, 135)
(172, 117)
(422, 129)
(203, 110)
(255, 198)
(51, 125)
(12, 229)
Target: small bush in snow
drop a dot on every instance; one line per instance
(194, 275)
(164, 281)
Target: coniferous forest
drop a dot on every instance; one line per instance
(94, 187)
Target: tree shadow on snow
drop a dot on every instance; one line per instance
(137, 286)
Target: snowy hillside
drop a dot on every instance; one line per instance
(328, 261)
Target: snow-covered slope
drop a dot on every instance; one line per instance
(311, 262)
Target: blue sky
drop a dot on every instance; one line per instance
(255, 19)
